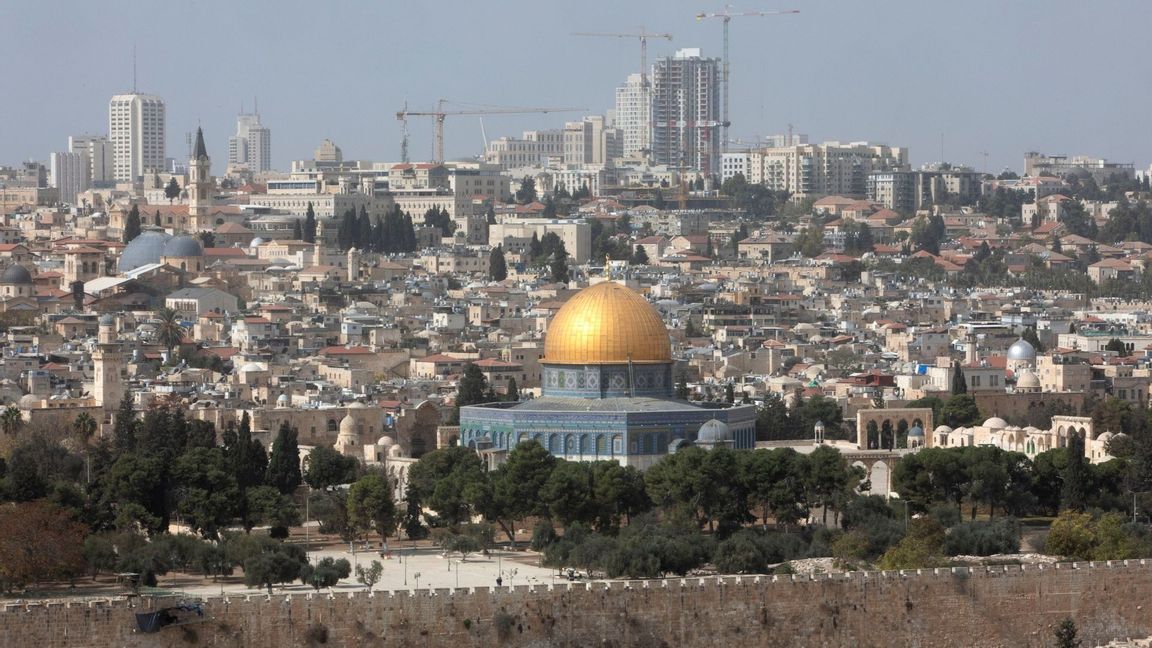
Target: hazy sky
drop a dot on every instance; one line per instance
(1002, 77)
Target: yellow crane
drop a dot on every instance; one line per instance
(726, 16)
(440, 114)
(643, 35)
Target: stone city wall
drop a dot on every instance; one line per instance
(984, 606)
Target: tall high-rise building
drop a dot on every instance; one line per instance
(101, 170)
(686, 111)
(251, 146)
(634, 115)
(136, 130)
(70, 173)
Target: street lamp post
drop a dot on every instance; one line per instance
(417, 577)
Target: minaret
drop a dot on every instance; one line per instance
(107, 359)
(199, 186)
(353, 265)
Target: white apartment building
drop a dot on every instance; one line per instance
(535, 148)
(732, 164)
(136, 127)
(591, 141)
(101, 160)
(1040, 164)
(823, 169)
(686, 111)
(251, 146)
(634, 115)
(70, 174)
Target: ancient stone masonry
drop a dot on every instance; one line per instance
(982, 606)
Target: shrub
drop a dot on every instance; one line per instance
(543, 535)
(1073, 535)
(983, 538)
(863, 509)
(740, 554)
(920, 548)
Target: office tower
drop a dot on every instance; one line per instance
(251, 146)
(136, 130)
(634, 115)
(70, 173)
(686, 111)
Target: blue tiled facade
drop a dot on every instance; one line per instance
(590, 413)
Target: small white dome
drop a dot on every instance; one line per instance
(251, 366)
(943, 429)
(385, 441)
(996, 423)
(1027, 380)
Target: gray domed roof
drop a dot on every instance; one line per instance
(182, 246)
(142, 250)
(256, 242)
(107, 320)
(714, 431)
(916, 431)
(1021, 350)
(16, 274)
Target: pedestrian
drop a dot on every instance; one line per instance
(499, 582)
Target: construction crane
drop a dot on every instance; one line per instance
(643, 35)
(440, 114)
(727, 15)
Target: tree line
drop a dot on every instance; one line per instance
(392, 234)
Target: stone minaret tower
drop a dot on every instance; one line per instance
(354, 257)
(107, 388)
(199, 186)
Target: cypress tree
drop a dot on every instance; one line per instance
(363, 229)
(513, 395)
(497, 266)
(959, 385)
(1076, 475)
(132, 224)
(124, 431)
(409, 234)
(297, 231)
(284, 463)
(310, 225)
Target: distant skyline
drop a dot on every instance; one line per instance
(996, 77)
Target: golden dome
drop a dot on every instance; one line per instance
(607, 324)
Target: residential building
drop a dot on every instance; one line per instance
(821, 169)
(686, 111)
(534, 148)
(908, 191)
(136, 127)
(70, 172)
(1101, 170)
(99, 149)
(634, 115)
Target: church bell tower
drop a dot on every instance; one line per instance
(199, 186)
